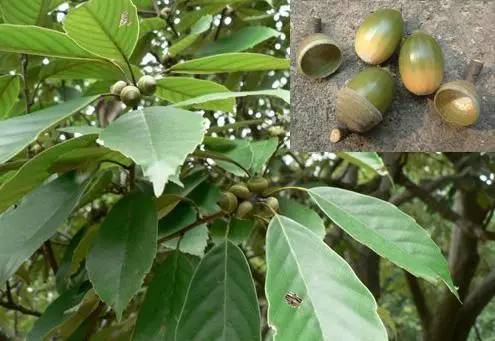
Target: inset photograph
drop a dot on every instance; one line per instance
(392, 75)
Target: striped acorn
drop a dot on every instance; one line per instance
(421, 64)
(116, 89)
(228, 202)
(130, 95)
(379, 36)
(147, 85)
(258, 184)
(240, 190)
(244, 210)
(362, 103)
(318, 55)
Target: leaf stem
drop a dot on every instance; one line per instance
(280, 189)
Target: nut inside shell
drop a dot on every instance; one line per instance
(458, 103)
(318, 56)
(356, 112)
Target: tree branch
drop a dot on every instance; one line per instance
(19, 308)
(419, 300)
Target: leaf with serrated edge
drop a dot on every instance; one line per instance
(334, 304)
(386, 230)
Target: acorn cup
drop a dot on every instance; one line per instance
(379, 36)
(421, 64)
(457, 102)
(318, 55)
(362, 103)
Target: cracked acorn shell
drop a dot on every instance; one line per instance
(421, 64)
(362, 103)
(379, 36)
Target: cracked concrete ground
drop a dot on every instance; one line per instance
(464, 29)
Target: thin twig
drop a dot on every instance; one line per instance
(220, 25)
(24, 66)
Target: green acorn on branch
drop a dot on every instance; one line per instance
(147, 85)
(228, 202)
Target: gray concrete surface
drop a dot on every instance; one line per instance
(464, 30)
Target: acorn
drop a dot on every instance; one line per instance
(228, 202)
(379, 36)
(240, 190)
(318, 55)
(258, 184)
(117, 88)
(130, 95)
(244, 209)
(272, 202)
(457, 102)
(147, 85)
(421, 64)
(362, 103)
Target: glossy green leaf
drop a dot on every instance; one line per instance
(193, 242)
(55, 314)
(83, 247)
(334, 304)
(181, 216)
(221, 302)
(25, 228)
(231, 62)
(241, 153)
(303, 215)
(189, 18)
(370, 160)
(109, 29)
(282, 94)
(17, 133)
(201, 26)
(238, 230)
(123, 251)
(37, 170)
(206, 197)
(262, 152)
(239, 41)
(164, 299)
(9, 91)
(149, 25)
(32, 12)
(40, 41)
(91, 69)
(386, 230)
(161, 140)
(179, 89)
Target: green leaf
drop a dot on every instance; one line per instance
(109, 29)
(178, 89)
(149, 25)
(221, 302)
(239, 41)
(282, 94)
(193, 242)
(164, 299)
(161, 140)
(17, 133)
(231, 62)
(37, 170)
(201, 26)
(40, 41)
(262, 152)
(91, 69)
(123, 251)
(83, 247)
(25, 228)
(303, 215)
(9, 90)
(189, 18)
(31, 12)
(334, 305)
(181, 216)
(55, 314)
(386, 230)
(241, 153)
(238, 230)
(369, 160)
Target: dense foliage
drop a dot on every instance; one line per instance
(147, 191)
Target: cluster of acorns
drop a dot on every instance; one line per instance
(246, 199)
(130, 94)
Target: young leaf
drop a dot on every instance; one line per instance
(239, 41)
(221, 302)
(9, 90)
(386, 230)
(109, 29)
(178, 89)
(231, 62)
(312, 292)
(123, 251)
(161, 140)
(262, 152)
(40, 41)
(25, 228)
(370, 160)
(303, 215)
(164, 299)
(31, 12)
(18, 132)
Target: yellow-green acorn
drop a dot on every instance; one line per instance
(379, 36)
(258, 184)
(117, 88)
(244, 209)
(240, 190)
(147, 85)
(362, 103)
(272, 202)
(228, 202)
(130, 95)
(421, 64)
